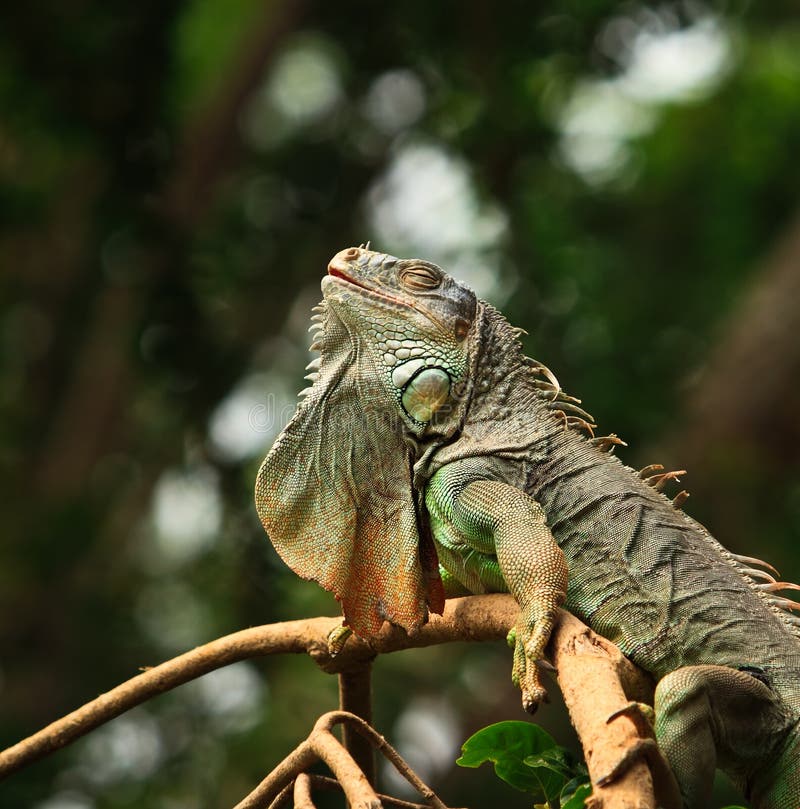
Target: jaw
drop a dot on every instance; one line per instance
(364, 310)
(340, 273)
(347, 295)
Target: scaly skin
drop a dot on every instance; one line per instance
(427, 435)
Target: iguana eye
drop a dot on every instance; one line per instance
(417, 278)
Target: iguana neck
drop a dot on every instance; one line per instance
(510, 409)
(507, 383)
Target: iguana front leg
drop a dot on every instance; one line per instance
(495, 537)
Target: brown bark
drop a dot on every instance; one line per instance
(595, 678)
(322, 744)
(355, 696)
(597, 682)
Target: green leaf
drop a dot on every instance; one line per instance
(575, 798)
(508, 745)
(554, 758)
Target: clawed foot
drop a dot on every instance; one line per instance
(643, 717)
(528, 640)
(645, 749)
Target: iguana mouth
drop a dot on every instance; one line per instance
(337, 273)
(339, 270)
(335, 270)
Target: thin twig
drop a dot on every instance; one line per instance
(325, 782)
(399, 763)
(270, 792)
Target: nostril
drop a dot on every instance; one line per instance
(351, 253)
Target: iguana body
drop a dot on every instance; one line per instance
(427, 427)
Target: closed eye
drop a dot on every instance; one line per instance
(419, 278)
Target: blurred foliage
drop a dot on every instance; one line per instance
(173, 179)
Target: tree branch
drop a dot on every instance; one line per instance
(355, 696)
(596, 679)
(292, 637)
(598, 682)
(324, 746)
(481, 618)
(311, 780)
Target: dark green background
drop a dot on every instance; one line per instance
(164, 222)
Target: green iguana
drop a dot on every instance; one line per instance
(430, 458)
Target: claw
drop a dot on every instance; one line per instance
(529, 639)
(666, 787)
(644, 748)
(337, 638)
(531, 702)
(640, 713)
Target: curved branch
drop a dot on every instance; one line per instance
(301, 794)
(474, 618)
(322, 744)
(391, 755)
(290, 637)
(298, 792)
(482, 618)
(324, 782)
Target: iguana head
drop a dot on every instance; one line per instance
(335, 492)
(414, 320)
